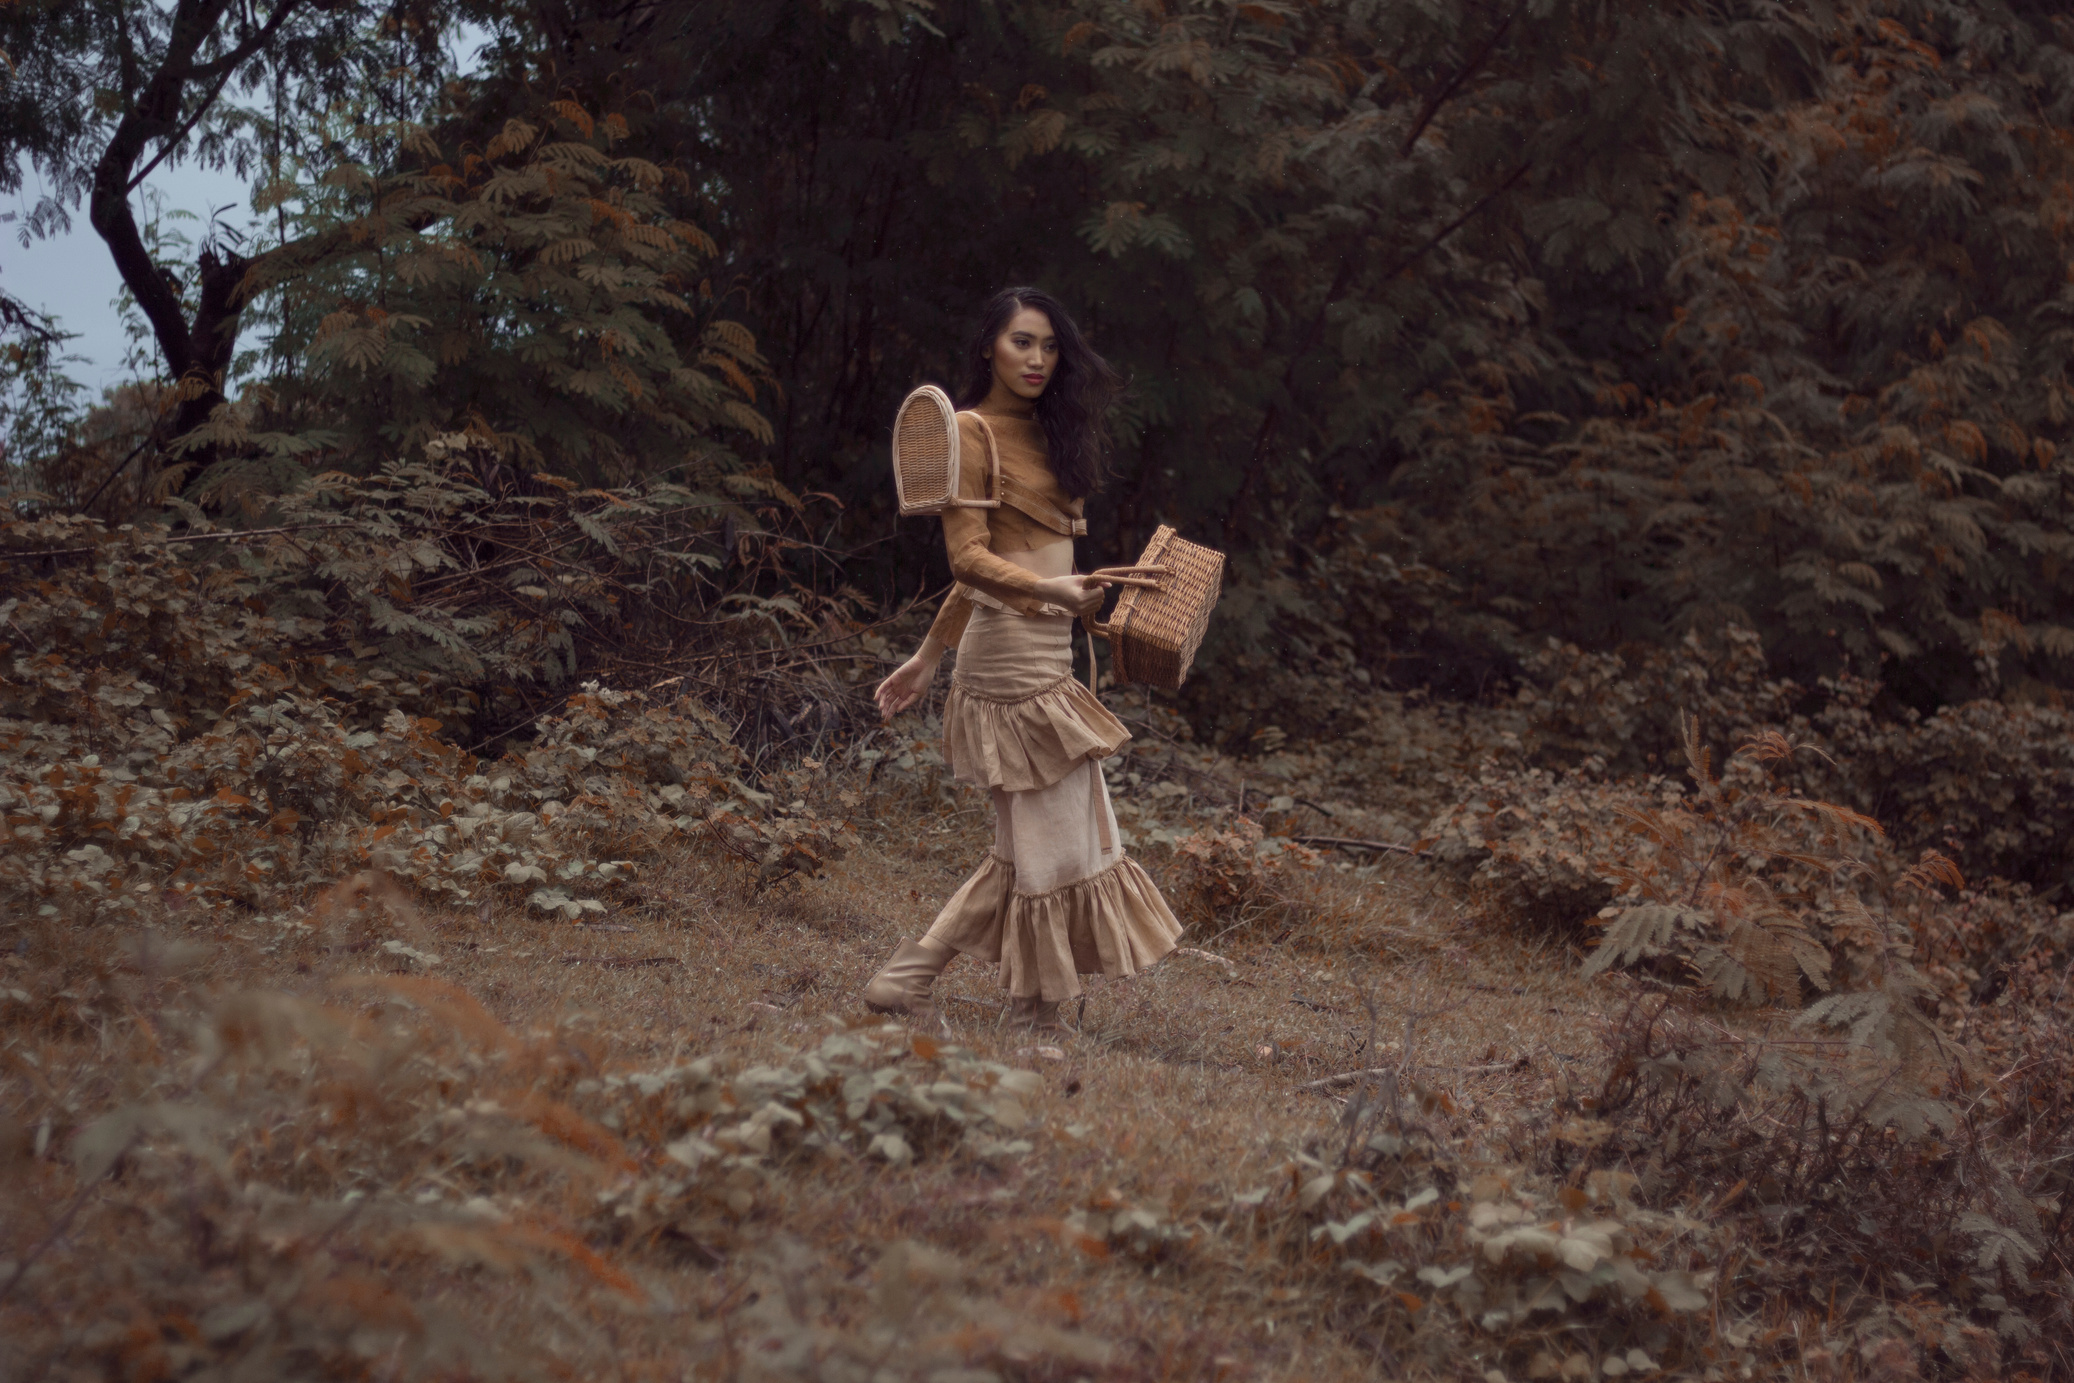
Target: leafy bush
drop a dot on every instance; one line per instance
(1305, 639)
(1987, 782)
(344, 1185)
(249, 722)
(1236, 878)
(1437, 1255)
(1864, 1133)
(1990, 781)
(1536, 847)
(534, 291)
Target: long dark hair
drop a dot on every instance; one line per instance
(1074, 405)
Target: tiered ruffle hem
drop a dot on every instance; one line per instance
(1057, 898)
(1027, 742)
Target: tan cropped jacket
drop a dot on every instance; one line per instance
(1034, 513)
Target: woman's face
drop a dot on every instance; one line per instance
(1026, 353)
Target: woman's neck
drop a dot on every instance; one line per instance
(1003, 400)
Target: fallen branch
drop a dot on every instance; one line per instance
(1341, 843)
(1204, 955)
(621, 962)
(1349, 1077)
(234, 536)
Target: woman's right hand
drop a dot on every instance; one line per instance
(1080, 594)
(908, 682)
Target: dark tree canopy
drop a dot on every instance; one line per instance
(1625, 318)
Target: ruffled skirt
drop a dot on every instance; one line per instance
(1017, 718)
(1057, 898)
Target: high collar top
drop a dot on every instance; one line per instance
(1014, 408)
(1034, 512)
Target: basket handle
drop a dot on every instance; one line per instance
(1097, 628)
(993, 499)
(1129, 576)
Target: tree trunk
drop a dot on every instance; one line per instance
(197, 353)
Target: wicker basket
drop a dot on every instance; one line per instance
(925, 456)
(1158, 623)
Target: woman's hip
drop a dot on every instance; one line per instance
(1005, 656)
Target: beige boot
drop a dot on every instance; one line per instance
(1039, 1015)
(903, 985)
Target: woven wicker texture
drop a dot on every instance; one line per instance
(925, 451)
(1154, 633)
(925, 456)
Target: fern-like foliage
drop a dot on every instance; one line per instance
(1764, 895)
(1643, 932)
(539, 294)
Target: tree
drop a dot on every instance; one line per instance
(102, 92)
(1288, 222)
(1628, 315)
(530, 294)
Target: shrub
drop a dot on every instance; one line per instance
(1234, 877)
(1988, 782)
(347, 1186)
(1305, 637)
(1865, 1136)
(1533, 845)
(243, 720)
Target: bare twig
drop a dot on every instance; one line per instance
(64, 1221)
(1343, 843)
(79, 1198)
(237, 536)
(1347, 1077)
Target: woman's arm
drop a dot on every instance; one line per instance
(975, 563)
(951, 618)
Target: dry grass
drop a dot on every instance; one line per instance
(419, 1150)
(1179, 1088)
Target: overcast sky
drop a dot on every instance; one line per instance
(72, 278)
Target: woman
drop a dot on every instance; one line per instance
(1056, 899)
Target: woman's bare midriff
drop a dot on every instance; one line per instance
(1053, 559)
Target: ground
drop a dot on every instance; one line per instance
(1178, 1088)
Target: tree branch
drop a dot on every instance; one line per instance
(17, 315)
(1446, 92)
(1433, 241)
(174, 140)
(1257, 460)
(200, 349)
(244, 52)
(109, 205)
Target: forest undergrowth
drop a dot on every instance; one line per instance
(1654, 1019)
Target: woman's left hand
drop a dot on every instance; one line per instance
(907, 684)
